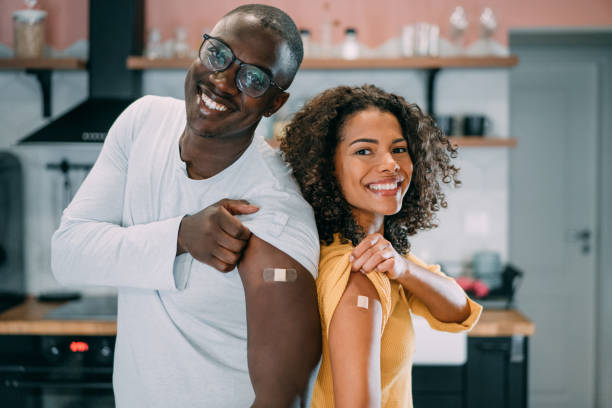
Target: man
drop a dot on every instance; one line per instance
(193, 218)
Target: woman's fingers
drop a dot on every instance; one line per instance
(367, 243)
(388, 267)
(372, 255)
(374, 262)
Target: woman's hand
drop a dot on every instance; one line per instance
(375, 253)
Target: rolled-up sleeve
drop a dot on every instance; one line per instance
(417, 307)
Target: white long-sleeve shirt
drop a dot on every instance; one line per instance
(181, 339)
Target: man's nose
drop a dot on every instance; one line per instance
(225, 81)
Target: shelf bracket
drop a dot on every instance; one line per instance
(44, 79)
(431, 90)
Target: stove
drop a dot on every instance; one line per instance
(61, 370)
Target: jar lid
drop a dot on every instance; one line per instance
(29, 16)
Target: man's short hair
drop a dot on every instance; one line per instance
(278, 21)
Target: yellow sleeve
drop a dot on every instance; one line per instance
(334, 273)
(417, 307)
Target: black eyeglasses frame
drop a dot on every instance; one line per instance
(266, 71)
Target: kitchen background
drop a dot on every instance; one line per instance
(483, 214)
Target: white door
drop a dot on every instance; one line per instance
(553, 195)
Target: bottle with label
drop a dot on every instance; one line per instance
(350, 47)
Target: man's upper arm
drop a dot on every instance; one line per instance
(284, 329)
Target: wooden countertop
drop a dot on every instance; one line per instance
(502, 323)
(28, 318)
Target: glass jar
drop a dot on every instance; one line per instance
(29, 33)
(350, 47)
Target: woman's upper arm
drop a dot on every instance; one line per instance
(354, 345)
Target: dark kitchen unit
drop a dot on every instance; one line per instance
(494, 375)
(12, 274)
(58, 354)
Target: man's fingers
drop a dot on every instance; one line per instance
(225, 256)
(231, 243)
(232, 225)
(236, 207)
(220, 265)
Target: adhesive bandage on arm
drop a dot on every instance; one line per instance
(362, 302)
(279, 275)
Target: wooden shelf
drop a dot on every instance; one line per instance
(137, 63)
(412, 63)
(476, 141)
(42, 68)
(43, 63)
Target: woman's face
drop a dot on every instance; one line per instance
(372, 164)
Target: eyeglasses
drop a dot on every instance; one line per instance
(250, 79)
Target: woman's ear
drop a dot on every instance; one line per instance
(277, 103)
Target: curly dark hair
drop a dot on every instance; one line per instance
(310, 144)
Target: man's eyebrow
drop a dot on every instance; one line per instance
(364, 140)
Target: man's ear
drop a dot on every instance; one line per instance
(277, 103)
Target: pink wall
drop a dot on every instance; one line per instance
(376, 21)
(67, 21)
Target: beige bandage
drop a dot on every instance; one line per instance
(279, 275)
(362, 302)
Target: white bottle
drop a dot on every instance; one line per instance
(350, 47)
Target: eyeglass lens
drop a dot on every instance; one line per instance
(249, 79)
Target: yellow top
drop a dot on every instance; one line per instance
(397, 341)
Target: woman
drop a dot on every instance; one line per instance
(370, 164)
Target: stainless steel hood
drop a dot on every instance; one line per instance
(115, 32)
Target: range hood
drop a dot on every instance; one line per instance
(115, 32)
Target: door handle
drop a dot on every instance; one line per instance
(583, 237)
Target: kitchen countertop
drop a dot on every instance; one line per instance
(28, 319)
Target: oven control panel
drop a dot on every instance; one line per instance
(53, 351)
(90, 350)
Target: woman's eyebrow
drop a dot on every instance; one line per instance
(401, 139)
(364, 140)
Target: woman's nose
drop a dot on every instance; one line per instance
(389, 164)
(225, 81)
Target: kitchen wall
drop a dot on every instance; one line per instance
(476, 217)
(477, 214)
(68, 20)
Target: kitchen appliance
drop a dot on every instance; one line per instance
(475, 125)
(446, 123)
(12, 275)
(115, 31)
(61, 370)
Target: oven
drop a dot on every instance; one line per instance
(61, 370)
(56, 371)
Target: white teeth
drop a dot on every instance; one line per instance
(211, 104)
(389, 186)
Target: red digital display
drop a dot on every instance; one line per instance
(79, 346)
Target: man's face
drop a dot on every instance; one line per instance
(215, 106)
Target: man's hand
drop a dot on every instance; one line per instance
(214, 236)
